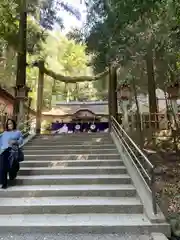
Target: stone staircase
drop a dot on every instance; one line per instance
(74, 184)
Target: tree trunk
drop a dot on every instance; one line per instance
(173, 102)
(39, 99)
(173, 132)
(21, 58)
(139, 124)
(113, 110)
(151, 87)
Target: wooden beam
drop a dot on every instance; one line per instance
(69, 79)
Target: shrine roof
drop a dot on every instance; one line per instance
(62, 109)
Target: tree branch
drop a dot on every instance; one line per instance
(69, 79)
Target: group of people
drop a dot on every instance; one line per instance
(78, 127)
(10, 152)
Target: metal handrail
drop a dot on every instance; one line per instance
(25, 124)
(145, 167)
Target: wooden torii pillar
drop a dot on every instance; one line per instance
(40, 97)
(43, 70)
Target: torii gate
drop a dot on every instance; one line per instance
(112, 91)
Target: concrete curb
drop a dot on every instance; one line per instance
(158, 236)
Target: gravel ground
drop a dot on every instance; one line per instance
(71, 237)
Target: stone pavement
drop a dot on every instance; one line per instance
(72, 237)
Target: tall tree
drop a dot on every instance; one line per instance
(15, 24)
(136, 32)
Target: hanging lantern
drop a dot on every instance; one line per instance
(124, 92)
(173, 91)
(21, 92)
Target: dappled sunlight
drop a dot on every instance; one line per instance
(45, 138)
(92, 141)
(67, 157)
(82, 157)
(75, 157)
(98, 139)
(58, 164)
(87, 143)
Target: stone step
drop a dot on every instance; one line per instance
(104, 190)
(70, 151)
(67, 142)
(104, 134)
(80, 223)
(70, 205)
(73, 184)
(75, 136)
(72, 170)
(76, 236)
(66, 147)
(70, 140)
(59, 157)
(72, 163)
(74, 140)
(73, 179)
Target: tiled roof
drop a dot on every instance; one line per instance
(70, 109)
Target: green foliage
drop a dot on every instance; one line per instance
(9, 13)
(123, 31)
(9, 23)
(49, 13)
(67, 58)
(42, 16)
(70, 59)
